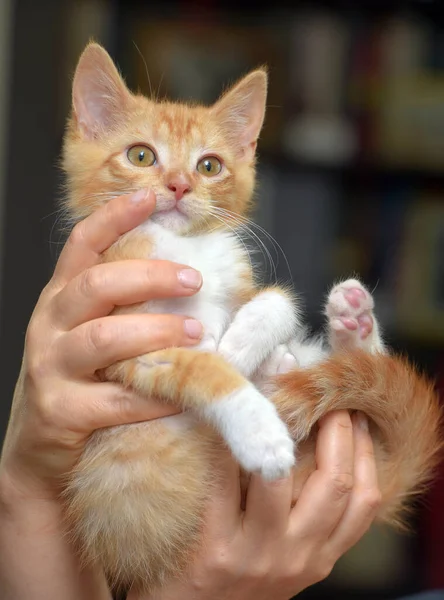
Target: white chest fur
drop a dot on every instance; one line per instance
(220, 259)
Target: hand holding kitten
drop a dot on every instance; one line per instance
(59, 401)
(275, 549)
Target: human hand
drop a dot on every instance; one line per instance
(272, 550)
(59, 401)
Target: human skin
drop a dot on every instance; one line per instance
(59, 402)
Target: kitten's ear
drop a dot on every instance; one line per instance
(241, 112)
(100, 98)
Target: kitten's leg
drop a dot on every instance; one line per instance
(301, 352)
(208, 385)
(351, 321)
(259, 327)
(307, 349)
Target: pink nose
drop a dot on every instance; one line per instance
(179, 187)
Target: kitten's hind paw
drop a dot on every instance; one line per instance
(350, 317)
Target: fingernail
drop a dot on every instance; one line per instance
(139, 196)
(190, 278)
(193, 328)
(362, 421)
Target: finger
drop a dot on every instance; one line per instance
(365, 498)
(97, 405)
(97, 344)
(99, 231)
(97, 290)
(325, 496)
(223, 513)
(268, 506)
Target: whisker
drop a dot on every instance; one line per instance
(146, 68)
(159, 86)
(374, 289)
(269, 237)
(246, 226)
(233, 230)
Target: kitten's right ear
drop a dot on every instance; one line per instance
(100, 97)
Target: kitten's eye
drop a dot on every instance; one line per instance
(141, 156)
(209, 166)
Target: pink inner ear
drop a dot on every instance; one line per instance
(241, 112)
(100, 97)
(90, 105)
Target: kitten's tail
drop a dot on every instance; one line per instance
(404, 413)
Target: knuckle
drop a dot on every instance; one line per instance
(259, 570)
(372, 499)
(313, 568)
(38, 365)
(341, 484)
(323, 570)
(98, 336)
(299, 569)
(36, 368)
(124, 405)
(90, 281)
(220, 562)
(77, 235)
(152, 272)
(45, 407)
(309, 567)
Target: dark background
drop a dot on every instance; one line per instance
(351, 171)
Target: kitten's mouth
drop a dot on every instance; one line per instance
(166, 206)
(171, 215)
(170, 211)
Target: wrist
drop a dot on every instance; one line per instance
(35, 552)
(19, 498)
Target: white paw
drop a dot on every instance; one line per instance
(350, 316)
(259, 327)
(256, 435)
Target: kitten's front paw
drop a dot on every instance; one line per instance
(256, 435)
(350, 317)
(270, 454)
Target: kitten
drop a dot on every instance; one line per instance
(136, 500)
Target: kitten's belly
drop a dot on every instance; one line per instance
(179, 423)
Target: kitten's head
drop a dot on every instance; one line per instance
(198, 160)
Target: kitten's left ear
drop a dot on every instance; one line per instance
(100, 97)
(241, 112)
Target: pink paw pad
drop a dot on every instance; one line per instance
(354, 296)
(365, 325)
(350, 312)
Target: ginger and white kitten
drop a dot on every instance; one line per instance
(136, 500)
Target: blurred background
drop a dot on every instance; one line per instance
(351, 174)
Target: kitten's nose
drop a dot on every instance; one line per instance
(179, 185)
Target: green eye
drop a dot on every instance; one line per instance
(209, 166)
(141, 156)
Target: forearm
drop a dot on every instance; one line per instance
(37, 560)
